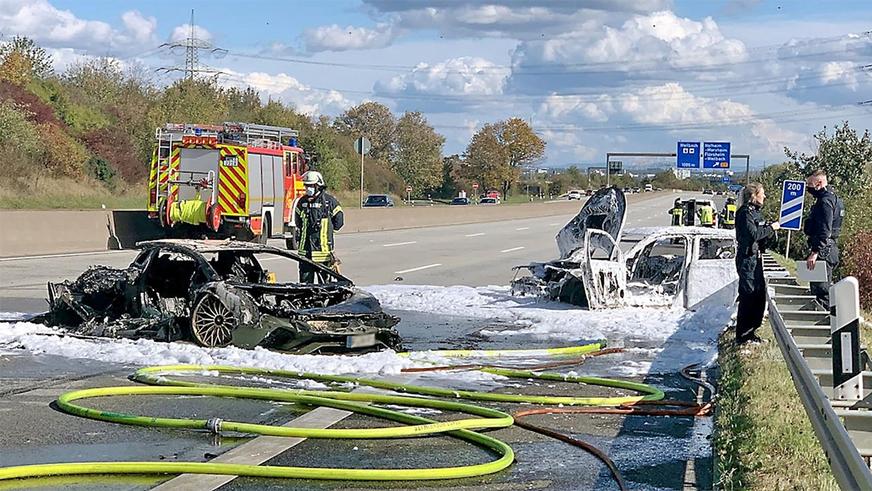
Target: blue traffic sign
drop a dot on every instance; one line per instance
(792, 196)
(716, 155)
(687, 155)
(726, 179)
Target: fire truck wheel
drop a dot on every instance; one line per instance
(266, 229)
(162, 214)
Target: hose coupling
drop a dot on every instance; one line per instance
(214, 425)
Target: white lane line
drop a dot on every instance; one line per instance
(72, 254)
(513, 249)
(523, 228)
(400, 243)
(419, 268)
(553, 224)
(475, 235)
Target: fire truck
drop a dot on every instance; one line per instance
(237, 180)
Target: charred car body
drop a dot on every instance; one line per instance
(218, 293)
(602, 266)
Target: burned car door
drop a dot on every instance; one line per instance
(602, 271)
(711, 274)
(657, 268)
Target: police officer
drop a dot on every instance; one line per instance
(752, 233)
(822, 227)
(728, 214)
(677, 212)
(706, 215)
(317, 215)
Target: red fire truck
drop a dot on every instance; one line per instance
(233, 180)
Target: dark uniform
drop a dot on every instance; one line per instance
(316, 219)
(752, 233)
(728, 215)
(822, 227)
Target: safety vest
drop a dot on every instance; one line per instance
(706, 215)
(730, 215)
(677, 214)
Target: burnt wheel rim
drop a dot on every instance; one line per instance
(212, 323)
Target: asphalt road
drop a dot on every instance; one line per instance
(473, 255)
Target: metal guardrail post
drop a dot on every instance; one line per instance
(845, 328)
(849, 467)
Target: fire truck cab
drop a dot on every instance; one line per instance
(236, 180)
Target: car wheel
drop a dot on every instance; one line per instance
(212, 323)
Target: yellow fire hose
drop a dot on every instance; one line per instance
(160, 383)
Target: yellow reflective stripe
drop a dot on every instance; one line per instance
(304, 227)
(325, 247)
(320, 257)
(336, 210)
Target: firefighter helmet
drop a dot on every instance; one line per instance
(677, 201)
(312, 178)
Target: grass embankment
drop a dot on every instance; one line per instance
(70, 194)
(763, 438)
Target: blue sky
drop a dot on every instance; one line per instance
(591, 75)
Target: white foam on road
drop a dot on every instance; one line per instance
(39, 339)
(671, 338)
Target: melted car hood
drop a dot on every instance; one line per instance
(606, 210)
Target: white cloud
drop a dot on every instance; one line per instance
(55, 28)
(183, 32)
(289, 90)
(338, 38)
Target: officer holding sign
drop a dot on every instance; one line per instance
(822, 227)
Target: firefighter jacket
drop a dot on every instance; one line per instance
(729, 214)
(706, 215)
(824, 222)
(752, 233)
(316, 220)
(677, 213)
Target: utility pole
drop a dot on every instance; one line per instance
(192, 45)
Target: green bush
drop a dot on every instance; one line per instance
(100, 170)
(858, 263)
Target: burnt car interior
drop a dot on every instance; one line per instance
(659, 264)
(222, 294)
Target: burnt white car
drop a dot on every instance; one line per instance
(601, 265)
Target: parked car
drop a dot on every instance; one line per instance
(460, 201)
(601, 266)
(489, 201)
(378, 200)
(217, 293)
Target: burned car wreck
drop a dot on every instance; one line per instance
(219, 293)
(601, 265)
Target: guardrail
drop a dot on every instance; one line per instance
(836, 401)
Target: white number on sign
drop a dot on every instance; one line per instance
(230, 161)
(794, 186)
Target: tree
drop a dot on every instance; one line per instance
(487, 161)
(374, 121)
(846, 158)
(500, 150)
(97, 81)
(417, 155)
(29, 54)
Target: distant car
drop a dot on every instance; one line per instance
(493, 194)
(488, 201)
(708, 191)
(574, 194)
(378, 200)
(460, 201)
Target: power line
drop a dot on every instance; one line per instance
(192, 45)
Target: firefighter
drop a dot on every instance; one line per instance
(317, 216)
(822, 227)
(752, 233)
(706, 215)
(728, 214)
(677, 213)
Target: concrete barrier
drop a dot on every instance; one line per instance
(34, 232)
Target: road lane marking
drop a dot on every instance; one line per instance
(553, 224)
(523, 228)
(400, 243)
(475, 235)
(419, 268)
(512, 249)
(72, 254)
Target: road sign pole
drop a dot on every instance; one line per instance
(787, 249)
(361, 180)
